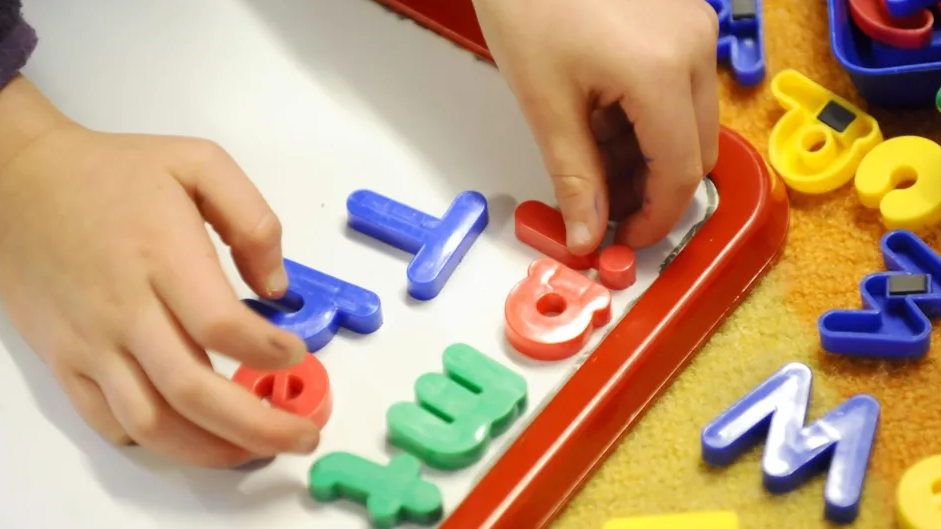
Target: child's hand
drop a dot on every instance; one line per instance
(577, 67)
(107, 271)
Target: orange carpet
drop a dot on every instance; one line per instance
(833, 243)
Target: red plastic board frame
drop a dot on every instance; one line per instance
(557, 453)
(455, 20)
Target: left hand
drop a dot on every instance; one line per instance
(622, 98)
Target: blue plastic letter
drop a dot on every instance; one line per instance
(889, 325)
(741, 39)
(317, 305)
(793, 453)
(437, 244)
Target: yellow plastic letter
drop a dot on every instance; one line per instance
(918, 495)
(905, 160)
(820, 140)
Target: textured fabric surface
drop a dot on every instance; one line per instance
(832, 244)
(17, 40)
(9, 15)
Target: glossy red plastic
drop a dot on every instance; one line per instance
(552, 313)
(302, 390)
(583, 423)
(873, 19)
(455, 20)
(616, 267)
(541, 226)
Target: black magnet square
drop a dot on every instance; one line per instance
(742, 9)
(903, 285)
(836, 116)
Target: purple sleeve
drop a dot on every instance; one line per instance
(17, 40)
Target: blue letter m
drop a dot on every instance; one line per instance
(777, 408)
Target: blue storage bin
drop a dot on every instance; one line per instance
(894, 85)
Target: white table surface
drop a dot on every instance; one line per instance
(314, 98)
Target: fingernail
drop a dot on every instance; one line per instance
(285, 341)
(308, 442)
(278, 281)
(577, 234)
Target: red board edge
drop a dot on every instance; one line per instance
(561, 448)
(455, 20)
(557, 453)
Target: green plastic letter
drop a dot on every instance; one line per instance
(392, 494)
(458, 412)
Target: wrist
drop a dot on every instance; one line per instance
(26, 115)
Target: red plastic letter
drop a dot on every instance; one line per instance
(541, 226)
(616, 267)
(873, 18)
(551, 314)
(302, 390)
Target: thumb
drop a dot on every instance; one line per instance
(560, 120)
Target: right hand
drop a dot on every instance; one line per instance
(622, 98)
(108, 273)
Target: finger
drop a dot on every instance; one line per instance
(559, 116)
(220, 406)
(668, 135)
(608, 123)
(705, 86)
(625, 167)
(190, 281)
(154, 425)
(91, 404)
(237, 211)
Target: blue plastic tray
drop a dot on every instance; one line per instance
(888, 85)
